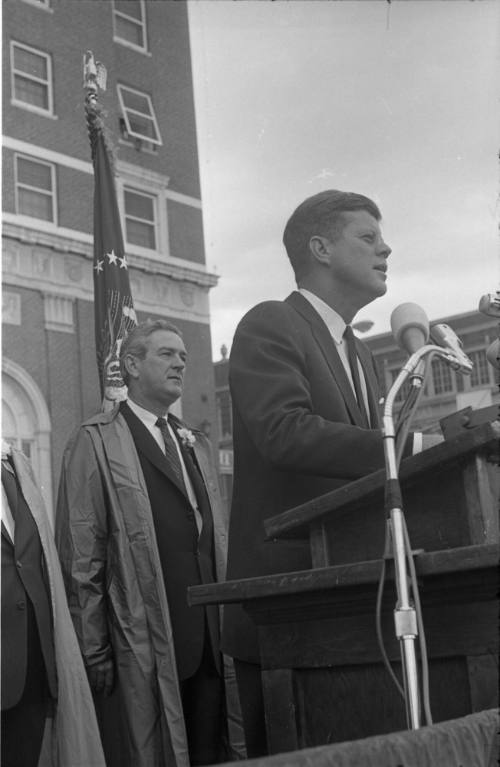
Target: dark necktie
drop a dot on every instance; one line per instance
(171, 450)
(353, 364)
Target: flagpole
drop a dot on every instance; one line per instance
(113, 305)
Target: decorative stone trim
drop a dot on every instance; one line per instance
(11, 308)
(161, 289)
(58, 311)
(182, 271)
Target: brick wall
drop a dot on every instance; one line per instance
(78, 25)
(61, 363)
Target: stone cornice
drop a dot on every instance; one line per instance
(64, 244)
(63, 273)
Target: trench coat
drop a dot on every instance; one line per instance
(110, 561)
(72, 734)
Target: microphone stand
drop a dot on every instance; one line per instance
(405, 617)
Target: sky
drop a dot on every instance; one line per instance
(398, 101)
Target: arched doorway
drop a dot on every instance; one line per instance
(26, 424)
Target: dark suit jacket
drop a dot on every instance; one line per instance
(297, 433)
(27, 628)
(186, 558)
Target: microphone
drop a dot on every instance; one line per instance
(444, 336)
(410, 327)
(493, 354)
(490, 304)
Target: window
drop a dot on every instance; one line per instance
(480, 373)
(35, 188)
(224, 413)
(138, 115)
(129, 20)
(31, 73)
(441, 377)
(140, 218)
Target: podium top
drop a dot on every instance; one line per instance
(296, 521)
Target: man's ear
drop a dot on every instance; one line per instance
(130, 365)
(320, 249)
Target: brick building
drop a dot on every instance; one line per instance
(49, 372)
(446, 391)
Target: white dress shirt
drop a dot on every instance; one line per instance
(149, 420)
(336, 326)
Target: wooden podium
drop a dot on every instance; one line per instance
(323, 678)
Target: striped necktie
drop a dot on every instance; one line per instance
(171, 450)
(353, 364)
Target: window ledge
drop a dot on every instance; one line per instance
(131, 46)
(130, 143)
(35, 110)
(34, 4)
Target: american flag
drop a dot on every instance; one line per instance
(114, 308)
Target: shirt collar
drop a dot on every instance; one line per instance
(146, 416)
(332, 319)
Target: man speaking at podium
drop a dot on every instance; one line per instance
(305, 404)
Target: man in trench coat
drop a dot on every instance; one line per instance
(139, 520)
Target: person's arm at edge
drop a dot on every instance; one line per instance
(81, 537)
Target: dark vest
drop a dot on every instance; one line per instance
(26, 611)
(187, 559)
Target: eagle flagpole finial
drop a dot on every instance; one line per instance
(94, 79)
(94, 75)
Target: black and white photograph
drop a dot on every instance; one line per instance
(250, 383)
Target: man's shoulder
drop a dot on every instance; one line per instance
(267, 311)
(98, 421)
(98, 431)
(102, 417)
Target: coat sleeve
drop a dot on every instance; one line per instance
(272, 396)
(81, 536)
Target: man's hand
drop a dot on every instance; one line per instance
(430, 440)
(101, 677)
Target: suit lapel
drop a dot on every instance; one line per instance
(147, 446)
(193, 471)
(330, 353)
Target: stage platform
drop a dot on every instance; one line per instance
(471, 741)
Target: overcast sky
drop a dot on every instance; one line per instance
(397, 101)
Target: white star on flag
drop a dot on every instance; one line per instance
(98, 267)
(112, 257)
(123, 263)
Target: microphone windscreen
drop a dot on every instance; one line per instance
(490, 304)
(410, 326)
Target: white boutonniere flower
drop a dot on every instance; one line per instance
(187, 437)
(6, 449)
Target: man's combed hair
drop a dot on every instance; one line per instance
(136, 342)
(322, 215)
